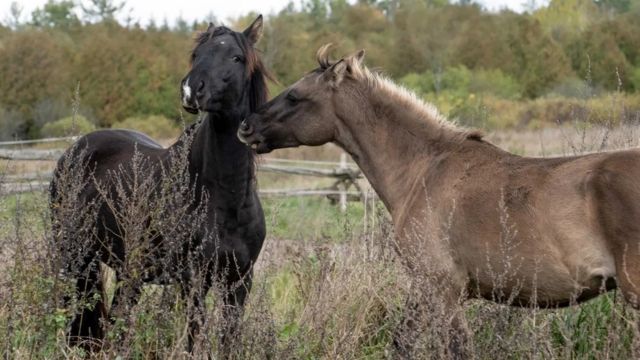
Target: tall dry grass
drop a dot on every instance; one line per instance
(318, 293)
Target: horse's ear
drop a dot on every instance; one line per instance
(335, 73)
(211, 27)
(346, 66)
(359, 56)
(254, 31)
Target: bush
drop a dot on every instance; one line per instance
(461, 82)
(12, 124)
(156, 126)
(635, 79)
(487, 111)
(71, 125)
(419, 83)
(496, 83)
(573, 87)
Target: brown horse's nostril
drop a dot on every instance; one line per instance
(244, 126)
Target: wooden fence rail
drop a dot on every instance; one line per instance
(39, 141)
(30, 154)
(345, 174)
(7, 188)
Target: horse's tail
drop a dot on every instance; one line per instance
(67, 182)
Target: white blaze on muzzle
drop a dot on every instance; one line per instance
(186, 92)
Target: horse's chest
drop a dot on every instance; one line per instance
(236, 226)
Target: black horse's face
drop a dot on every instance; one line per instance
(219, 69)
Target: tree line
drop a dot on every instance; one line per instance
(441, 49)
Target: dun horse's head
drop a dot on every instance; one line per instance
(307, 112)
(222, 64)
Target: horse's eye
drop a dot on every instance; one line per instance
(236, 59)
(291, 98)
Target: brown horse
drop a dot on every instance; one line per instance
(556, 231)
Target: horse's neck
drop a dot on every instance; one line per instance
(223, 165)
(393, 145)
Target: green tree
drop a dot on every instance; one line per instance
(596, 57)
(563, 19)
(14, 20)
(620, 6)
(34, 66)
(55, 14)
(102, 10)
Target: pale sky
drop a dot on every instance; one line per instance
(143, 10)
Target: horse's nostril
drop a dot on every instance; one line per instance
(244, 126)
(200, 88)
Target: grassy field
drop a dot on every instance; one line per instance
(327, 286)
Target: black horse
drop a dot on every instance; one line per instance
(227, 81)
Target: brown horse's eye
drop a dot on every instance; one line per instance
(291, 98)
(236, 59)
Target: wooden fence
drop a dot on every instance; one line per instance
(345, 186)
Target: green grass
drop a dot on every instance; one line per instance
(312, 218)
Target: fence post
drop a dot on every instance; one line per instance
(343, 185)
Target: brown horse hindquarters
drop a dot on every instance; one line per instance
(615, 189)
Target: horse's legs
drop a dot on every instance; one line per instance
(125, 297)
(432, 317)
(404, 336)
(627, 260)
(234, 298)
(86, 326)
(628, 273)
(195, 309)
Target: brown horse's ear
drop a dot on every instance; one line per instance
(335, 73)
(254, 31)
(359, 56)
(350, 65)
(211, 27)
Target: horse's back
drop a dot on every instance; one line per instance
(103, 150)
(117, 141)
(95, 155)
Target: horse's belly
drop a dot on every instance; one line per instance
(545, 272)
(589, 262)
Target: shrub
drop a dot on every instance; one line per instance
(156, 126)
(496, 83)
(635, 79)
(67, 126)
(419, 83)
(12, 124)
(461, 82)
